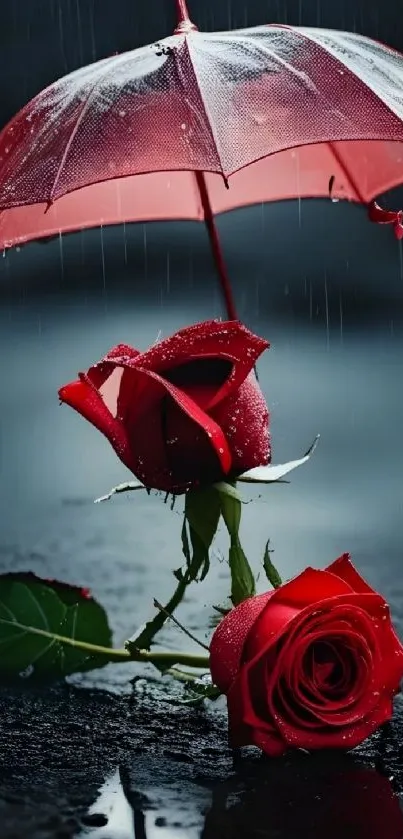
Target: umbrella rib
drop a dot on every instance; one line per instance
(348, 175)
(84, 108)
(83, 111)
(329, 51)
(204, 106)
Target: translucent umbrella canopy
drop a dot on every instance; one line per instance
(200, 123)
(355, 171)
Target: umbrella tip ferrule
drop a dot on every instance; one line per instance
(184, 27)
(184, 24)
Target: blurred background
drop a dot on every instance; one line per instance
(315, 278)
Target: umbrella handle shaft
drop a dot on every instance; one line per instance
(216, 247)
(184, 24)
(182, 11)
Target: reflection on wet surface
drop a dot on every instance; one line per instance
(326, 797)
(111, 815)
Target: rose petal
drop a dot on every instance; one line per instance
(259, 641)
(317, 683)
(339, 714)
(212, 339)
(286, 603)
(344, 568)
(244, 418)
(268, 741)
(295, 630)
(339, 738)
(392, 652)
(213, 431)
(101, 371)
(86, 400)
(228, 639)
(245, 726)
(138, 391)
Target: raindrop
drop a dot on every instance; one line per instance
(79, 30)
(168, 275)
(61, 37)
(61, 255)
(101, 231)
(341, 317)
(125, 241)
(229, 14)
(92, 31)
(327, 313)
(191, 272)
(145, 252)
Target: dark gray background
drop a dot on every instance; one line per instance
(317, 279)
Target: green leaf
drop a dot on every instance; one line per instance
(196, 555)
(202, 510)
(185, 543)
(222, 610)
(242, 579)
(200, 562)
(271, 571)
(202, 514)
(273, 473)
(196, 689)
(30, 606)
(197, 694)
(129, 486)
(231, 513)
(227, 489)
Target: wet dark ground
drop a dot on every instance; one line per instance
(81, 763)
(101, 746)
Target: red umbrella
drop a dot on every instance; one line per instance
(185, 128)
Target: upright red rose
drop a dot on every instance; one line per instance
(187, 411)
(314, 664)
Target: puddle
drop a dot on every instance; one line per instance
(324, 797)
(116, 813)
(111, 816)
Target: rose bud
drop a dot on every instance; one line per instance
(186, 412)
(313, 664)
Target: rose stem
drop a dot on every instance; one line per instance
(146, 635)
(111, 654)
(180, 626)
(181, 675)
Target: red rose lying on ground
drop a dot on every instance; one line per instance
(187, 411)
(314, 664)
